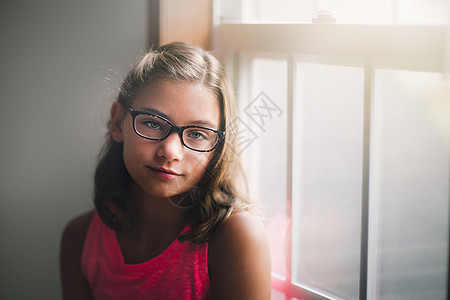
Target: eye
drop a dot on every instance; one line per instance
(152, 124)
(197, 135)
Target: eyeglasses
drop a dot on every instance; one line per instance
(157, 128)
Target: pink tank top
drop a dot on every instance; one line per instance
(180, 272)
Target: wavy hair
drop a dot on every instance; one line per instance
(220, 192)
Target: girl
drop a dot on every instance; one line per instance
(170, 220)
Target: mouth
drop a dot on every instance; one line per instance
(164, 173)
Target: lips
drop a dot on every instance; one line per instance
(164, 173)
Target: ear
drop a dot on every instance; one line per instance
(117, 117)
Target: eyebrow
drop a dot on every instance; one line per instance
(160, 113)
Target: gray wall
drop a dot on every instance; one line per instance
(60, 64)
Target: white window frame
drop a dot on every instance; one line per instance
(415, 48)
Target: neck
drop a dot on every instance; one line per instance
(157, 213)
(152, 226)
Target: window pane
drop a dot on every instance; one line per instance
(328, 178)
(409, 187)
(423, 11)
(266, 10)
(359, 11)
(279, 11)
(264, 113)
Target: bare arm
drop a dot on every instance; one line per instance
(239, 260)
(74, 285)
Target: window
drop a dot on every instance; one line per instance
(346, 142)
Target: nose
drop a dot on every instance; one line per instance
(171, 148)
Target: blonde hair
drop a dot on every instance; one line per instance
(218, 194)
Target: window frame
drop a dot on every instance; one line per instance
(404, 47)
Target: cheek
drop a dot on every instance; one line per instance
(135, 152)
(199, 163)
(130, 158)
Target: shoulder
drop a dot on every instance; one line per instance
(238, 257)
(73, 237)
(242, 227)
(77, 228)
(74, 285)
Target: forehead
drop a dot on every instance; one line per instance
(182, 102)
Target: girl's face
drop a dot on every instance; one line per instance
(166, 169)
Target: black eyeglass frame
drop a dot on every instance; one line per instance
(173, 127)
